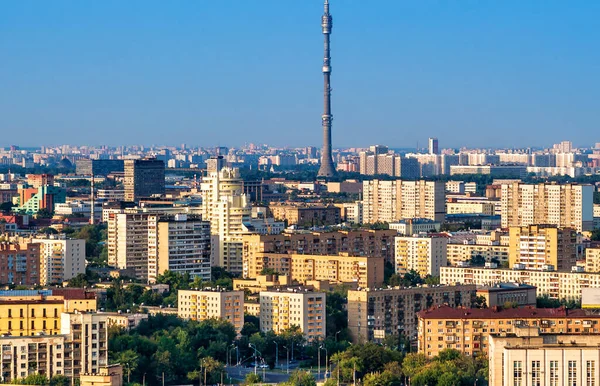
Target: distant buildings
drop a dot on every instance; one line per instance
(390, 201)
(144, 178)
(212, 303)
(98, 167)
(281, 310)
(375, 314)
(32, 200)
(565, 205)
(306, 214)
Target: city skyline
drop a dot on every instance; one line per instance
(477, 75)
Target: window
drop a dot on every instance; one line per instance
(590, 369)
(518, 373)
(572, 375)
(535, 373)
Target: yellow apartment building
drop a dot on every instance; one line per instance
(206, 304)
(538, 246)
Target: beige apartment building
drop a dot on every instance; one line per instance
(390, 201)
(557, 285)
(592, 260)
(497, 295)
(207, 303)
(374, 314)
(86, 343)
(60, 259)
(280, 310)
(565, 205)
(360, 271)
(458, 253)
(306, 214)
(424, 254)
(526, 357)
(486, 208)
(542, 247)
(26, 355)
(468, 330)
(364, 242)
(127, 242)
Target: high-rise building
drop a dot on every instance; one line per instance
(226, 206)
(390, 201)
(86, 343)
(144, 178)
(212, 303)
(433, 146)
(20, 263)
(179, 243)
(99, 167)
(375, 314)
(127, 242)
(543, 247)
(327, 168)
(280, 310)
(61, 259)
(565, 205)
(424, 254)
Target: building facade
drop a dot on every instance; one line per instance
(86, 343)
(127, 242)
(143, 178)
(20, 263)
(424, 254)
(61, 259)
(542, 247)
(206, 304)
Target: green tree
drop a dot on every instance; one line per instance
(301, 378)
(79, 281)
(252, 379)
(59, 380)
(129, 360)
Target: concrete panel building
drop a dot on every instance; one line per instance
(424, 254)
(212, 303)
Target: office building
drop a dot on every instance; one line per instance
(468, 330)
(60, 259)
(566, 205)
(375, 314)
(212, 303)
(542, 247)
(526, 357)
(423, 254)
(226, 207)
(363, 242)
(178, 243)
(434, 146)
(359, 271)
(554, 284)
(144, 178)
(98, 167)
(281, 310)
(20, 263)
(511, 294)
(390, 201)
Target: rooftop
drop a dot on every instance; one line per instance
(446, 312)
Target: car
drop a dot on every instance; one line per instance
(263, 366)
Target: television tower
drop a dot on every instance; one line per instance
(327, 168)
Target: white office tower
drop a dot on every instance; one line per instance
(226, 207)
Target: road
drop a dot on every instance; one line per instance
(269, 376)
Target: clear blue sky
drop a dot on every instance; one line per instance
(229, 72)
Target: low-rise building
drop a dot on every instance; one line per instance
(261, 283)
(487, 208)
(526, 357)
(497, 295)
(413, 226)
(212, 303)
(468, 329)
(111, 375)
(126, 321)
(306, 215)
(280, 310)
(459, 253)
(374, 314)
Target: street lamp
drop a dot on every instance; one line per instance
(276, 354)
(288, 358)
(322, 347)
(336, 334)
(255, 360)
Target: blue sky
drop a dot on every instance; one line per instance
(229, 72)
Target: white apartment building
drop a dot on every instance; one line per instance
(25, 355)
(280, 310)
(389, 201)
(555, 284)
(226, 206)
(209, 303)
(178, 243)
(486, 208)
(566, 206)
(354, 212)
(421, 253)
(60, 259)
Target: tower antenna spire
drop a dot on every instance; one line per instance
(327, 168)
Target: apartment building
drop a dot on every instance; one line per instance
(374, 314)
(527, 357)
(226, 207)
(566, 205)
(468, 330)
(306, 214)
(127, 242)
(143, 178)
(212, 303)
(557, 285)
(280, 310)
(178, 243)
(26, 355)
(361, 271)
(542, 247)
(375, 243)
(20, 263)
(460, 253)
(61, 258)
(390, 201)
(413, 226)
(487, 208)
(424, 254)
(592, 260)
(86, 343)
